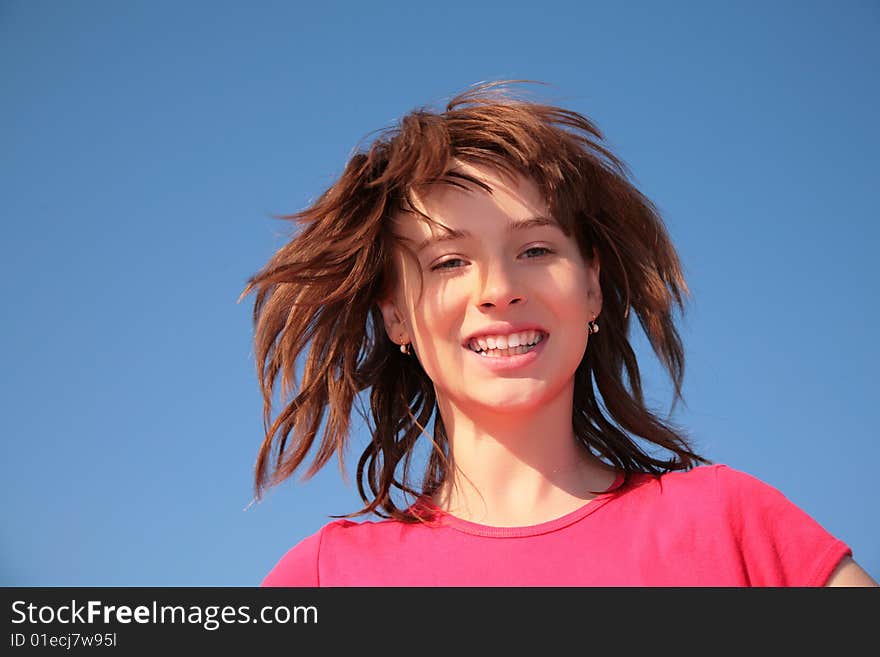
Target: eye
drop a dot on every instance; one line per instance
(443, 265)
(538, 248)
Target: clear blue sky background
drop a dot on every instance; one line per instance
(145, 146)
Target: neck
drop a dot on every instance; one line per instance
(517, 468)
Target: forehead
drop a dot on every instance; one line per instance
(511, 198)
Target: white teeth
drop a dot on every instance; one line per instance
(503, 353)
(500, 342)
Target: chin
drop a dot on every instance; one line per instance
(506, 403)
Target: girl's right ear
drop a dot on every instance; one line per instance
(395, 325)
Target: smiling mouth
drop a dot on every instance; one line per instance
(510, 351)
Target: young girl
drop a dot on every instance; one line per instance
(479, 267)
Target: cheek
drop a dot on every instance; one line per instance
(437, 323)
(570, 291)
(441, 307)
(438, 320)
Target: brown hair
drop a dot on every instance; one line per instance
(322, 288)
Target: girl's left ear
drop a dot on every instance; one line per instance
(595, 262)
(595, 287)
(394, 324)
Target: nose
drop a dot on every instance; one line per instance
(500, 288)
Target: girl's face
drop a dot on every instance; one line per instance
(507, 275)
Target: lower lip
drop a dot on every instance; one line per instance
(507, 363)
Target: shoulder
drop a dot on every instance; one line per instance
(741, 499)
(716, 484)
(747, 499)
(780, 543)
(696, 484)
(301, 564)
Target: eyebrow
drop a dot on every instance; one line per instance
(514, 226)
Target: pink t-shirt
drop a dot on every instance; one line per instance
(710, 526)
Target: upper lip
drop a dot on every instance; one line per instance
(504, 328)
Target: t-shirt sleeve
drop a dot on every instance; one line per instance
(299, 566)
(781, 544)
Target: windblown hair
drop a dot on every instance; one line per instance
(321, 290)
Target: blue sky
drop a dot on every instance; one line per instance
(146, 146)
